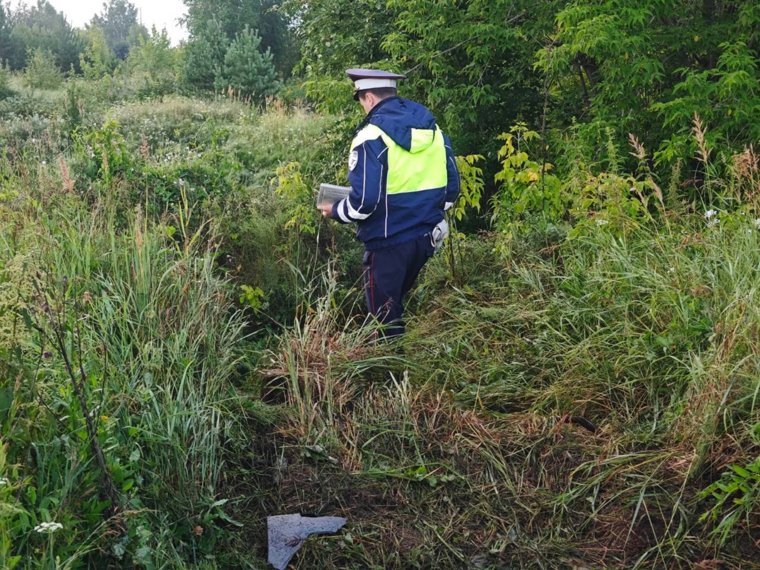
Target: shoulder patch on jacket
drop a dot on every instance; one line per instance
(353, 158)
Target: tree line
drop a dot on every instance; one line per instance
(601, 69)
(243, 46)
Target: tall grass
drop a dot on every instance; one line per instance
(567, 409)
(587, 399)
(156, 335)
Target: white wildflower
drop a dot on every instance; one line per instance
(4, 481)
(709, 214)
(757, 223)
(48, 527)
(601, 222)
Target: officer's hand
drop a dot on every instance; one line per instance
(326, 210)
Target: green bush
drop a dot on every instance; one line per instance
(97, 59)
(27, 105)
(41, 70)
(154, 65)
(204, 58)
(5, 83)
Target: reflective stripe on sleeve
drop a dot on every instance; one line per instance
(341, 209)
(354, 214)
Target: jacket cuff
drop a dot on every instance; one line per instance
(335, 213)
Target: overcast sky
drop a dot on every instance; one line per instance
(159, 13)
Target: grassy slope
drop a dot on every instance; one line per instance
(478, 448)
(561, 406)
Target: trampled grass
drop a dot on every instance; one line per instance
(566, 412)
(589, 401)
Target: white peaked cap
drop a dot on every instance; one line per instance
(373, 78)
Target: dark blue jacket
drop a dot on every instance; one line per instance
(398, 144)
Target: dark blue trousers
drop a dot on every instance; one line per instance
(389, 274)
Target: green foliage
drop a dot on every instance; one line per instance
(117, 21)
(97, 59)
(647, 68)
(42, 27)
(103, 153)
(113, 307)
(465, 61)
(5, 79)
(41, 71)
(528, 193)
(6, 43)
(290, 183)
(724, 97)
(253, 297)
(204, 57)
(737, 498)
(155, 63)
(471, 185)
(10, 510)
(233, 18)
(247, 70)
(471, 64)
(334, 35)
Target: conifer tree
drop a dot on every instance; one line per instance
(5, 34)
(43, 27)
(247, 69)
(234, 16)
(41, 71)
(204, 57)
(117, 20)
(97, 59)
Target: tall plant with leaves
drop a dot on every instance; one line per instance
(627, 65)
(529, 193)
(5, 83)
(233, 17)
(117, 20)
(155, 62)
(41, 71)
(726, 97)
(5, 34)
(471, 62)
(43, 27)
(204, 57)
(97, 59)
(334, 35)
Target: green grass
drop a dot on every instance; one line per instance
(154, 332)
(583, 401)
(476, 435)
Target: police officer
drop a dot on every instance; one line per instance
(403, 176)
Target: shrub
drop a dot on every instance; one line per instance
(97, 59)
(41, 70)
(204, 58)
(154, 64)
(5, 83)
